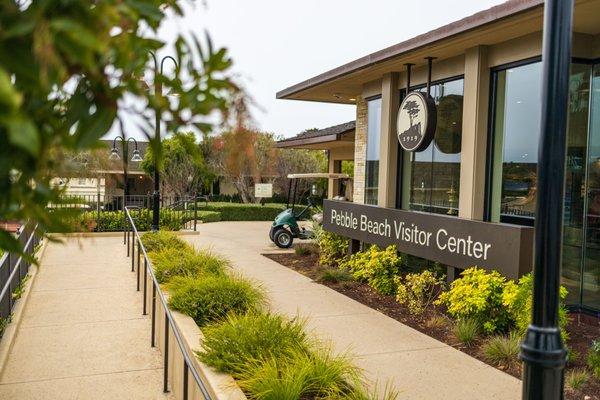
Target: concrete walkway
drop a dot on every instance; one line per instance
(418, 366)
(83, 335)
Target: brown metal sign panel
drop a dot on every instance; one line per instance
(457, 242)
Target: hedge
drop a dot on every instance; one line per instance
(243, 212)
(209, 216)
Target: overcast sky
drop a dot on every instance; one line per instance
(275, 44)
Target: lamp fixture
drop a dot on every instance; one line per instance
(114, 154)
(136, 156)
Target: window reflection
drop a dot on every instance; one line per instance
(435, 172)
(372, 162)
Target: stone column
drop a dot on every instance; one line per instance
(360, 150)
(388, 144)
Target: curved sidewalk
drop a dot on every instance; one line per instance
(418, 366)
(82, 334)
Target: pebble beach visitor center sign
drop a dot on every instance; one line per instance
(449, 240)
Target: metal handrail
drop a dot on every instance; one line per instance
(5, 261)
(169, 320)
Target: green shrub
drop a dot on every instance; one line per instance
(230, 345)
(212, 298)
(576, 378)
(518, 297)
(316, 374)
(502, 350)
(593, 358)
(244, 212)
(157, 241)
(377, 267)
(466, 330)
(418, 290)
(477, 295)
(171, 262)
(208, 216)
(333, 248)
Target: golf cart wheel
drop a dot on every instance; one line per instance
(283, 238)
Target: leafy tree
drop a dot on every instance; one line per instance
(298, 161)
(68, 68)
(245, 156)
(183, 168)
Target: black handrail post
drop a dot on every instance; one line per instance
(145, 285)
(543, 352)
(138, 266)
(127, 229)
(132, 252)
(153, 333)
(185, 380)
(166, 361)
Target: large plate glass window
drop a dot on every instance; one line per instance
(513, 194)
(372, 163)
(431, 178)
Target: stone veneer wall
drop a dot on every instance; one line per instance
(360, 150)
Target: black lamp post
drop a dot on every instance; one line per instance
(114, 155)
(543, 352)
(158, 71)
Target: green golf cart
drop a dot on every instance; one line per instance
(285, 227)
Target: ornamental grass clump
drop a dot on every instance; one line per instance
(157, 241)
(576, 378)
(593, 358)
(378, 267)
(418, 291)
(172, 262)
(299, 375)
(238, 341)
(466, 330)
(212, 298)
(502, 350)
(478, 295)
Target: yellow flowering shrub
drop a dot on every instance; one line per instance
(518, 297)
(478, 295)
(417, 291)
(377, 267)
(333, 248)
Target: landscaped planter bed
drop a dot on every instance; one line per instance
(581, 331)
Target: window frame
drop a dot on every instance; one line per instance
(491, 136)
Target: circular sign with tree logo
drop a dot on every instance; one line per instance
(416, 122)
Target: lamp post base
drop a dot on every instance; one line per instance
(544, 358)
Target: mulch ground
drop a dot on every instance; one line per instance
(434, 322)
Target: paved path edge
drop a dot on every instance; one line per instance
(10, 333)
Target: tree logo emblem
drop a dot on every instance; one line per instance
(416, 121)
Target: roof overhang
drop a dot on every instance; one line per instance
(498, 24)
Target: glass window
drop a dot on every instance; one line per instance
(516, 136)
(432, 177)
(372, 163)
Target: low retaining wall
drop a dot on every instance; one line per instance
(221, 386)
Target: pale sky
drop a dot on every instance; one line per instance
(277, 43)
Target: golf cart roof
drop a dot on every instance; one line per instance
(318, 175)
